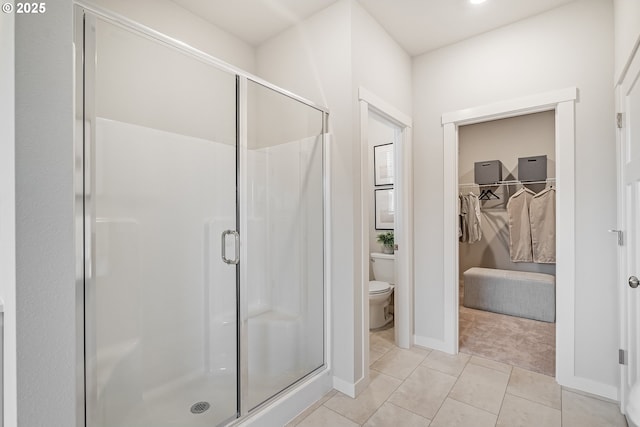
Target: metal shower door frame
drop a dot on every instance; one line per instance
(85, 16)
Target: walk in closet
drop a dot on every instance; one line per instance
(507, 193)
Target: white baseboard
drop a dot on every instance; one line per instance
(350, 389)
(292, 403)
(586, 385)
(431, 343)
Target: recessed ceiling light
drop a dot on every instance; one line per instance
(476, 1)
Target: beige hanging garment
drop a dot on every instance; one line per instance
(475, 219)
(542, 215)
(519, 228)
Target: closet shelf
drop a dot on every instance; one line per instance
(516, 182)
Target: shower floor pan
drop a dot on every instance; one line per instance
(185, 405)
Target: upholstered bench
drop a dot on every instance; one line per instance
(517, 293)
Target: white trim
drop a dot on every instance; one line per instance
(450, 245)
(511, 108)
(431, 343)
(562, 101)
(565, 243)
(630, 59)
(351, 389)
(364, 241)
(404, 256)
(384, 107)
(404, 220)
(595, 388)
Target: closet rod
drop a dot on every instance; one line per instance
(472, 184)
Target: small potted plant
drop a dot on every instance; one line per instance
(387, 242)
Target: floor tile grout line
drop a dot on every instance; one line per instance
(534, 401)
(412, 371)
(474, 407)
(400, 385)
(408, 410)
(504, 395)
(341, 415)
(449, 392)
(378, 407)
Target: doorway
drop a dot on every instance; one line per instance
(370, 104)
(562, 102)
(499, 161)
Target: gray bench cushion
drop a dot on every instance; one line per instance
(517, 293)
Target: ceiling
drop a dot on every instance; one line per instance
(417, 25)
(254, 21)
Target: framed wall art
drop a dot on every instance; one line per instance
(384, 209)
(383, 164)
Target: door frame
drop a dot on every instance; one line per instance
(563, 103)
(403, 227)
(625, 84)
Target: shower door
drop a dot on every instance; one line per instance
(202, 216)
(282, 221)
(160, 201)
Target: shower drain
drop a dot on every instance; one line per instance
(200, 407)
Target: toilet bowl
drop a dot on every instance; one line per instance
(381, 289)
(379, 304)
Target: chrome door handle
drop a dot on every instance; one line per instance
(236, 237)
(634, 282)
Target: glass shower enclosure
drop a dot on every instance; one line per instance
(202, 200)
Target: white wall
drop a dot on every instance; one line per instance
(379, 63)
(172, 20)
(7, 214)
(505, 140)
(45, 251)
(325, 59)
(568, 46)
(627, 32)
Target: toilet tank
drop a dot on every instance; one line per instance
(383, 267)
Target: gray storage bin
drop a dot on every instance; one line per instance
(532, 168)
(487, 172)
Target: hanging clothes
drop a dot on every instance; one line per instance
(463, 208)
(469, 230)
(520, 247)
(475, 231)
(542, 216)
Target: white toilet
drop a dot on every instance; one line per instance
(380, 289)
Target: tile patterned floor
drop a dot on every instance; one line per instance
(427, 388)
